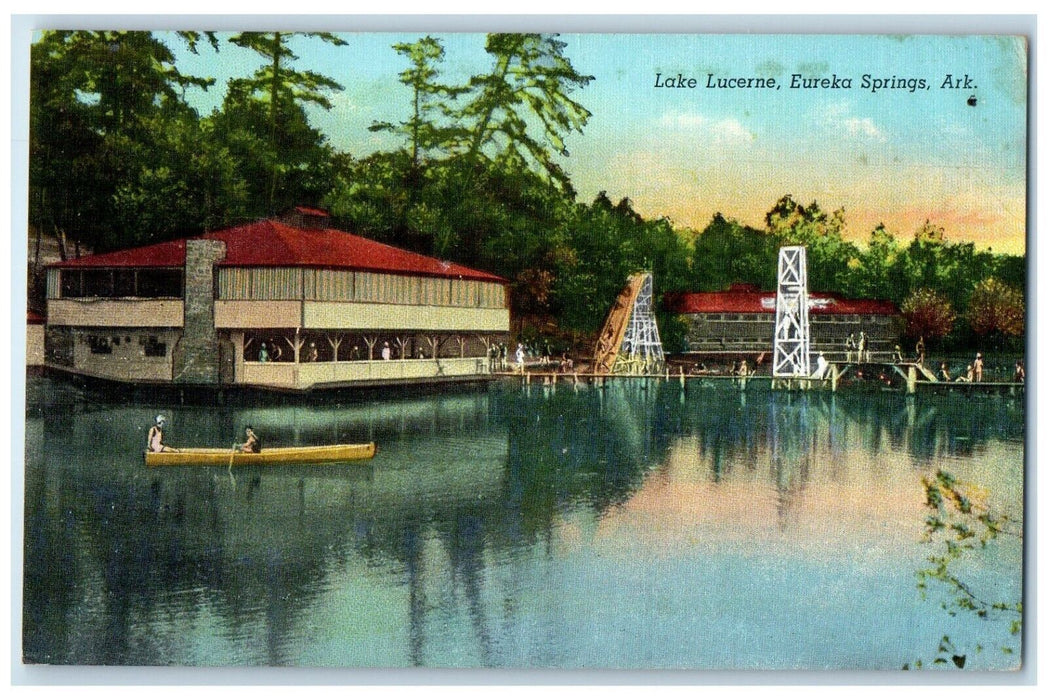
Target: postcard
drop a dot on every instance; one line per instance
(578, 350)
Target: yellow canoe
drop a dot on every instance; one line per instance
(218, 457)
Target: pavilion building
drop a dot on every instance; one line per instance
(286, 303)
(740, 321)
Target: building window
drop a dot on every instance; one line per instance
(159, 283)
(98, 283)
(71, 283)
(124, 282)
(99, 345)
(152, 347)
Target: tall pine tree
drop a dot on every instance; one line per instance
(264, 119)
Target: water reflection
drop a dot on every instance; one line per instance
(476, 534)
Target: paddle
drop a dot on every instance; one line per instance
(232, 454)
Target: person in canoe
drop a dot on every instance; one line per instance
(156, 437)
(252, 444)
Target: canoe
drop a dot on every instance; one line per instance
(207, 456)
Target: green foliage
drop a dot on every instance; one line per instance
(959, 524)
(276, 82)
(879, 268)
(608, 243)
(368, 196)
(527, 89)
(947, 654)
(726, 252)
(431, 125)
(188, 183)
(263, 122)
(829, 255)
(1010, 270)
(101, 103)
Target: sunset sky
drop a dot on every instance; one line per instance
(897, 156)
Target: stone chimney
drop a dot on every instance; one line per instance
(196, 355)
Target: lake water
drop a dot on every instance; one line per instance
(638, 526)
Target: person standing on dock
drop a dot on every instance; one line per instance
(386, 352)
(520, 357)
(502, 356)
(821, 367)
(977, 366)
(863, 357)
(849, 347)
(1020, 373)
(263, 354)
(566, 363)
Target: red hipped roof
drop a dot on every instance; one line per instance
(272, 243)
(746, 299)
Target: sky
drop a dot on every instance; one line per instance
(895, 154)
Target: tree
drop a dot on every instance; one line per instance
(607, 243)
(830, 257)
(478, 183)
(928, 314)
(950, 268)
(100, 101)
(997, 311)
(726, 252)
(392, 193)
(930, 233)
(1010, 269)
(368, 196)
(801, 225)
(879, 273)
(428, 127)
(530, 83)
(187, 184)
(270, 102)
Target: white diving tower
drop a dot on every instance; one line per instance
(792, 343)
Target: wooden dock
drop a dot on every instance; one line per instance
(914, 378)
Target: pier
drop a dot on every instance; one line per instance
(908, 377)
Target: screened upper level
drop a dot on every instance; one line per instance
(110, 283)
(278, 283)
(323, 285)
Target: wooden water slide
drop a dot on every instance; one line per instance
(609, 342)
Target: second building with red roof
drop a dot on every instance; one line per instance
(740, 322)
